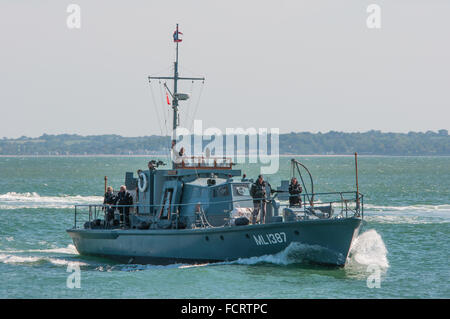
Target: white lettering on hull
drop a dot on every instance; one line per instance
(270, 238)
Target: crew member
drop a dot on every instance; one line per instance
(294, 193)
(124, 198)
(259, 193)
(177, 157)
(109, 199)
(181, 153)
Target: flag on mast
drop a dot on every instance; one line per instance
(176, 35)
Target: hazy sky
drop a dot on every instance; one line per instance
(295, 65)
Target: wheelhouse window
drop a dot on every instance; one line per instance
(221, 191)
(241, 190)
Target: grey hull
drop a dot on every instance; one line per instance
(321, 241)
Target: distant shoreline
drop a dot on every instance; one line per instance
(371, 143)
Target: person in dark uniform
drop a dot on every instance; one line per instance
(110, 199)
(294, 193)
(259, 193)
(124, 198)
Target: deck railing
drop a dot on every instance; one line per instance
(348, 204)
(200, 162)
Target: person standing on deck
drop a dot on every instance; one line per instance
(294, 193)
(124, 198)
(177, 156)
(110, 199)
(259, 194)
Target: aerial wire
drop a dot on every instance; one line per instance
(198, 102)
(156, 108)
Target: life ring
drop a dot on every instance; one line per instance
(142, 183)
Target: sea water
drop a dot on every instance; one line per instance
(401, 252)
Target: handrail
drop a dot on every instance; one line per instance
(219, 202)
(296, 163)
(230, 201)
(95, 209)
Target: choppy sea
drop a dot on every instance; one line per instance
(402, 251)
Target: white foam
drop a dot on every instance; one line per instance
(368, 249)
(411, 214)
(293, 254)
(13, 200)
(194, 265)
(444, 207)
(137, 267)
(14, 259)
(70, 249)
(281, 258)
(10, 257)
(401, 219)
(64, 262)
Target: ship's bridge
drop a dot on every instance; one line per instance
(215, 197)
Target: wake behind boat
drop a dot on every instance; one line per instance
(203, 210)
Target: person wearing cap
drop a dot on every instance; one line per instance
(178, 156)
(259, 195)
(151, 166)
(124, 198)
(109, 199)
(294, 193)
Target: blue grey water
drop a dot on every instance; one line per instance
(404, 241)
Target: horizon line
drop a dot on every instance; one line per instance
(292, 132)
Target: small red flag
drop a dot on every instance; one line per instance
(167, 96)
(176, 36)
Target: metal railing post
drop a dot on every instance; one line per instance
(362, 206)
(90, 212)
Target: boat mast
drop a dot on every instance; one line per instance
(175, 78)
(175, 88)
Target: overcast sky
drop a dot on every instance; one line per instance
(293, 65)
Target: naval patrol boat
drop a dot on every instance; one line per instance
(200, 210)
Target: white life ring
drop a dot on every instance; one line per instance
(142, 183)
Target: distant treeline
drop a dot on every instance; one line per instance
(339, 143)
